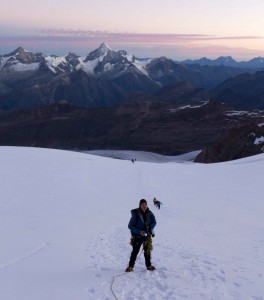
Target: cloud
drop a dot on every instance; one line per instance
(175, 46)
(142, 38)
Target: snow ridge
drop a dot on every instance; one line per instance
(101, 60)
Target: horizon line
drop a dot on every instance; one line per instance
(170, 46)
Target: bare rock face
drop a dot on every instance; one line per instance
(239, 142)
(163, 128)
(243, 92)
(26, 57)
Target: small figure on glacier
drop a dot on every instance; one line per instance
(157, 203)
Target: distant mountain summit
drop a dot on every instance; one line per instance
(21, 60)
(225, 61)
(255, 63)
(101, 51)
(104, 61)
(23, 56)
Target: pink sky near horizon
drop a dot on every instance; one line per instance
(172, 28)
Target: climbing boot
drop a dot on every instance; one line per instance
(129, 269)
(151, 268)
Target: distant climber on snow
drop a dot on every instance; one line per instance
(157, 203)
(141, 225)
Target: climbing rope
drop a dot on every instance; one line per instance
(139, 187)
(114, 277)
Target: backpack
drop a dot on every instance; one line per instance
(135, 212)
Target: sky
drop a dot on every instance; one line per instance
(149, 28)
(64, 233)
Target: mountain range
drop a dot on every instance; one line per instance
(255, 63)
(114, 100)
(106, 77)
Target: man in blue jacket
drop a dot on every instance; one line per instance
(141, 225)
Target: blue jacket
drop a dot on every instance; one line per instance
(137, 224)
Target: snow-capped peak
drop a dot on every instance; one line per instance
(104, 48)
(21, 60)
(225, 60)
(105, 60)
(101, 51)
(18, 51)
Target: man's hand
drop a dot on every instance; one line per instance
(142, 232)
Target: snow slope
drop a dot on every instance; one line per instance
(144, 156)
(64, 236)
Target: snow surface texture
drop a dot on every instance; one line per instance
(64, 235)
(144, 156)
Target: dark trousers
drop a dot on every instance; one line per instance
(136, 247)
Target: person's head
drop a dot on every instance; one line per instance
(154, 200)
(143, 204)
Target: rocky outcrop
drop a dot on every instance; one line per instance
(181, 93)
(150, 126)
(238, 142)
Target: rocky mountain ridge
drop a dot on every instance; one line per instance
(244, 91)
(239, 142)
(105, 55)
(255, 63)
(163, 128)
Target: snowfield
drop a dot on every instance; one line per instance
(64, 235)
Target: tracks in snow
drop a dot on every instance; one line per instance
(24, 257)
